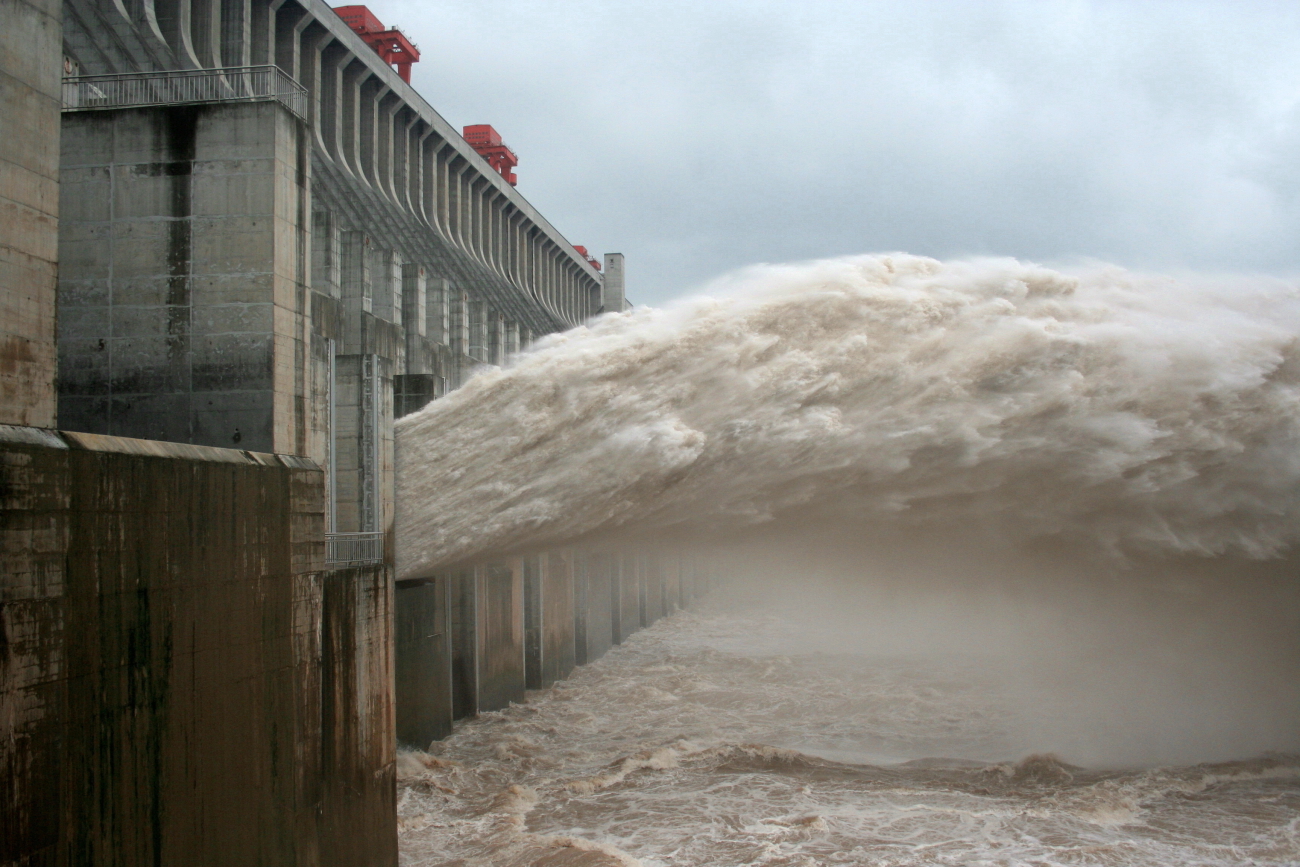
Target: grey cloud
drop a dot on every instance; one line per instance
(697, 138)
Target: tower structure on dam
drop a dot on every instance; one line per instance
(270, 241)
(234, 245)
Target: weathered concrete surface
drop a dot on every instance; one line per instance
(631, 608)
(613, 295)
(549, 646)
(183, 277)
(423, 659)
(463, 590)
(558, 648)
(653, 590)
(30, 72)
(180, 682)
(500, 634)
(592, 606)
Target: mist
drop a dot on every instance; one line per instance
(1083, 482)
(1158, 660)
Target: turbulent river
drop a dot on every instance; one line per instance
(724, 738)
(1012, 574)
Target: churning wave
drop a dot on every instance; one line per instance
(1135, 411)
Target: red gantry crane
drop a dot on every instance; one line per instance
(487, 141)
(389, 43)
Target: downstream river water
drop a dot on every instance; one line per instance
(727, 737)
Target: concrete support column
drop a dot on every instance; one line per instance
(458, 317)
(511, 339)
(437, 327)
(30, 99)
(423, 689)
(478, 331)
(357, 291)
(629, 596)
(463, 619)
(613, 295)
(386, 284)
(549, 648)
(415, 315)
(500, 622)
(326, 254)
(496, 339)
(599, 581)
(333, 57)
(184, 276)
(353, 76)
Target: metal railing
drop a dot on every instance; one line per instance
(185, 87)
(354, 549)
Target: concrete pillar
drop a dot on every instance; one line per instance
(30, 100)
(500, 652)
(656, 591)
(458, 317)
(326, 262)
(364, 443)
(478, 331)
(463, 620)
(629, 615)
(423, 661)
(183, 279)
(436, 312)
(496, 339)
(386, 282)
(613, 294)
(558, 649)
(548, 618)
(511, 340)
(355, 261)
(415, 313)
(595, 580)
(534, 609)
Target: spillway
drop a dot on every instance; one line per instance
(1007, 561)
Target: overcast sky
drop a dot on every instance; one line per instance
(698, 137)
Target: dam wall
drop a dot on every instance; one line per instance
(184, 680)
(29, 204)
(478, 637)
(234, 247)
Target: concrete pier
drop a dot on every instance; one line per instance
(523, 623)
(29, 206)
(184, 680)
(423, 654)
(263, 247)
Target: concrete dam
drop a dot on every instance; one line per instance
(339, 526)
(236, 245)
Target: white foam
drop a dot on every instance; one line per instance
(1140, 412)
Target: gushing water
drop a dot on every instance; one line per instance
(1136, 412)
(1013, 558)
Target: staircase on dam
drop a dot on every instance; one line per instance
(235, 246)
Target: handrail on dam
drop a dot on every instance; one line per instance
(185, 87)
(354, 549)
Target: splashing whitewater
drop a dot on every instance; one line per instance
(1138, 412)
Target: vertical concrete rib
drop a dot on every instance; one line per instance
(372, 90)
(408, 179)
(173, 18)
(314, 40)
(262, 32)
(386, 105)
(333, 57)
(354, 75)
(290, 21)
(236, 36)
(145, 16)
(205, 32)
